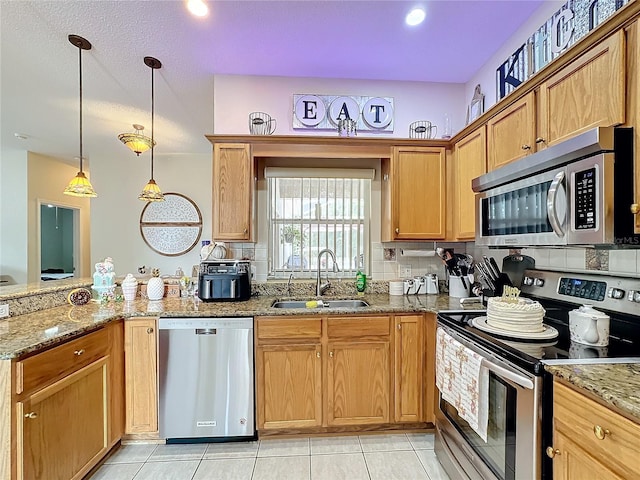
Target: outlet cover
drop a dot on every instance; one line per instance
(4, 310)
(404, 271)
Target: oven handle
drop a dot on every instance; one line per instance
(551, 204)
(524, 382)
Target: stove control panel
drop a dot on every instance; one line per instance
(587, 289)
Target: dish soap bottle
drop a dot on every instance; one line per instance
(361, 282)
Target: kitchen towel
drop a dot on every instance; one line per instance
(463, 381)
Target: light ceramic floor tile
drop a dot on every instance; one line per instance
(231, 450)
(168, 470)
(225, 469)
(421, 441)
(164, 453)
(282, 468)
(384, 443)
(281, 448)
(395, 466)
(344, 466)
(325, 445)
(121, 471)
(131, 454)
(432, 465)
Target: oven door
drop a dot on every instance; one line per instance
(531, 211)
(512, 450)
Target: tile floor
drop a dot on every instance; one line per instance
(375, 457)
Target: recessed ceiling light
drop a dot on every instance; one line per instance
(197, 7)
(415, 17)
(21, 136)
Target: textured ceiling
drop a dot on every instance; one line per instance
(356, 39)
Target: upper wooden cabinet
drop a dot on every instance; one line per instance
(414, 194)
(587, 93)
(469, 162)
(633, 106)
(233, 181)
(511, 134)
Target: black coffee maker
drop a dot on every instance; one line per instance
(224, 280)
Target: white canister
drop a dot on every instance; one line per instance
(589, 326)
(457, 288)
(431, 284)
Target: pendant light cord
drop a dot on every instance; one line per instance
(152, 117)
(80, 61)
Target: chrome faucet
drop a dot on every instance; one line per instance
(289, 285)
(320, 288)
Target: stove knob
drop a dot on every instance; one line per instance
(616, 293)
(634, 296)
(538, 282)
(527, 281)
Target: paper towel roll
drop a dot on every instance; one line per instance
(416, 253)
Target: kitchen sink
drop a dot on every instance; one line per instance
(325, 304)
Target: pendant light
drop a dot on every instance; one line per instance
(79, 186)
(151, 191)
(136, 141)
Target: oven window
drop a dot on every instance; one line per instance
(517, 212)
(500, 450)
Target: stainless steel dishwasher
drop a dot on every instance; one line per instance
(206, 379)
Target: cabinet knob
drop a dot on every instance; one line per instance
(318, 354)
(150, 330)
(635, 208)
(397, 230)
(331, 354)
(31, 415)
(600, 432)
(399, 326)
(540, 140)
(552, 452)
(79, 352)
(526, 147)
(245, 231)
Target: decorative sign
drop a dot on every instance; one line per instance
(324, 112)
(573, 21)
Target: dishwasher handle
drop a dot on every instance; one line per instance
(206, 331)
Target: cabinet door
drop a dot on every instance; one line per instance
(633, 108)
(470, 162)
(140, 354)
(429, 379)
(409, 367)
(418, 193)
(572, 462)
(289, 379)
(587, 93)
(511, 133)
(62, 429)
(232, 191)
(358, 383)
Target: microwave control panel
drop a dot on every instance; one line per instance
(585, 199)
(589, 289)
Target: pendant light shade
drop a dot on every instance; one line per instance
(136, 141)
(79, 186)
(151, 191)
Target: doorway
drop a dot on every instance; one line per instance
(58, 241)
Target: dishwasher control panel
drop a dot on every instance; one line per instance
(192, 323)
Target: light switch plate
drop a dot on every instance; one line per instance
(4, 310)
(404, 271)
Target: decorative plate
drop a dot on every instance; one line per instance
(172, 227)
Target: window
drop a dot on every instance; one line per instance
(311, 209)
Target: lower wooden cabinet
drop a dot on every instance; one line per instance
(339, 372)
(141, 385)
(591, 441)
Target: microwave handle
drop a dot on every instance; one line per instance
(551, 204)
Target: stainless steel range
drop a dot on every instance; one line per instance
(520, 393)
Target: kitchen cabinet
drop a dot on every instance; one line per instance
(470, 161)
(590, 440)
(414, 194)
(511, 134)
(589, 92)
(141, 376)
(409, 368)
(633, 108)
(233, 186)
(66, 401)
(358, 370)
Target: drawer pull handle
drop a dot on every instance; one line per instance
(79, 352)
(31, 415)
(540, 140)
(526, 147)
(600, 432)
(150, 330)
(552, 452)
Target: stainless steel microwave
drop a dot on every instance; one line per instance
(578, 192)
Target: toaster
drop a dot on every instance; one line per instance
(224, 280)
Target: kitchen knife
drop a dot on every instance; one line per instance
(489, 269)
(485, 275)
(496, 269)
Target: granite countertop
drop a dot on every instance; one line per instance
(28, 333)
(616, 385)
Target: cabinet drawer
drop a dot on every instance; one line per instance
(358, 327)
(577, 416)
(277, 328)
(45, 368)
